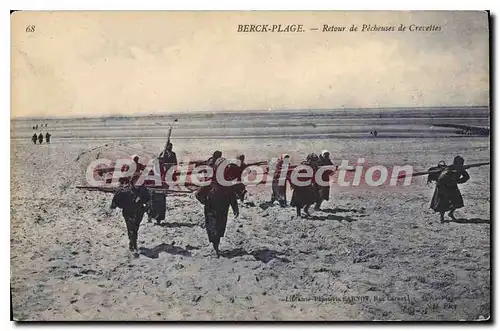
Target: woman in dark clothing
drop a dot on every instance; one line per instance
(447, 196)
(305, 196)
(167, 157)
(40, 138)
(324, 191)
(216, 209)
(239, 188)
(279, 189)
(216, 199)
(157, 207)
(235, 172)
(34, 138)
(133, 202)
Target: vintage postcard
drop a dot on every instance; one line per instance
(250, 166)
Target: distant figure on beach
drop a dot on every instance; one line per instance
(47, 137)
(216, 199)
(33, 127)
(447, 196)
(279, 184)
(40, 138)
(305, 196)
(215, 156)
(324, 191)
(36, 127)
(34, 138)
(168, 158)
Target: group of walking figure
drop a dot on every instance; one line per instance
(39, 138)
(217, 199)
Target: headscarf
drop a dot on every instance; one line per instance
(323, 152)
(458, 160)
(215, 156)
(312, 157)
(284, 156)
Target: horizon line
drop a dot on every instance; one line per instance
(198, 112)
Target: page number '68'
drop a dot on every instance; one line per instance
(30, 28)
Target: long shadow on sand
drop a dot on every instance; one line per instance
(177, 225)
(154, 253)
(264, 255)
(330, 217)
(469, 221)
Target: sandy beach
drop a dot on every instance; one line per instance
(372, 253)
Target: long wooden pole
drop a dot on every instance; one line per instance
(110, 189)
(422, 173)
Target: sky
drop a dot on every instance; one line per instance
(124, 63)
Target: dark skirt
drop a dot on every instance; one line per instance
(279, 192)
(446, 198)
(324, 193)
(216, 219)
(158, 207)
(133, 214)
(304, 195)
